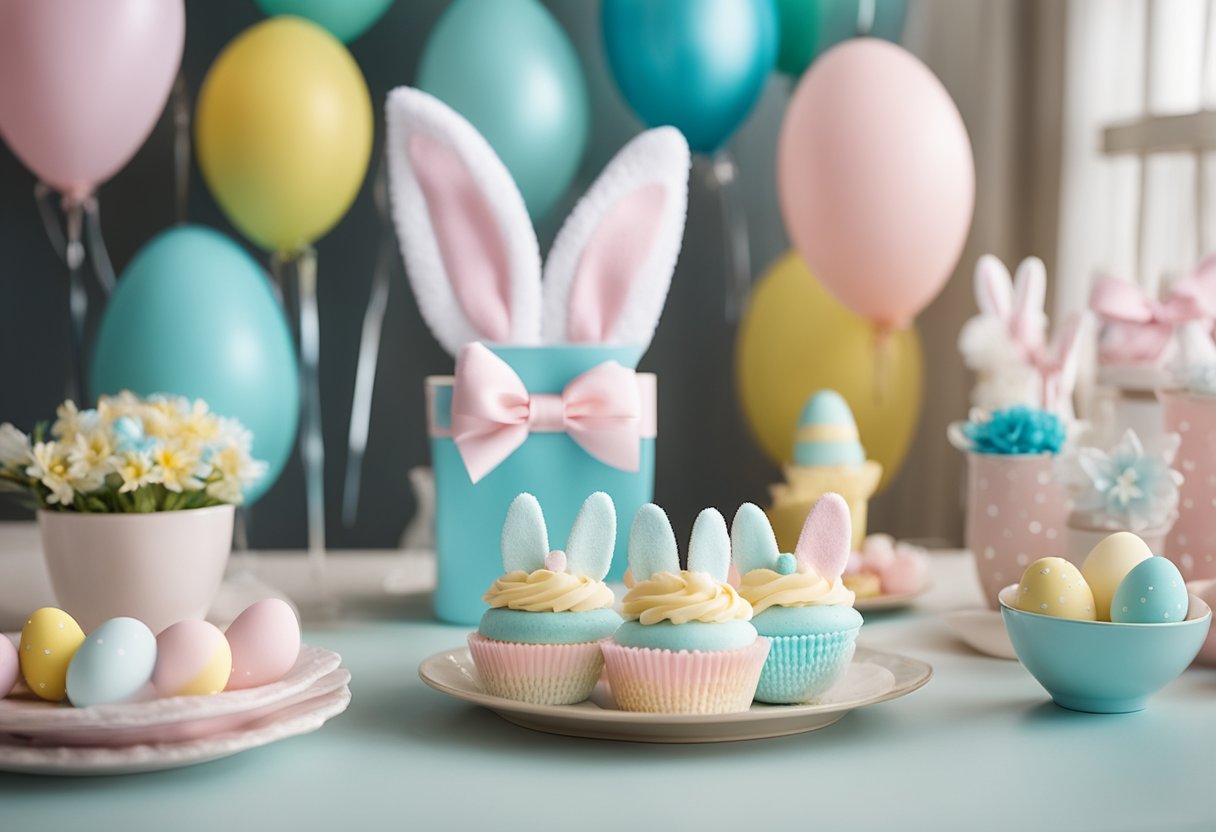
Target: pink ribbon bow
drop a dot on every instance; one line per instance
(1145, 324)
(493, 413)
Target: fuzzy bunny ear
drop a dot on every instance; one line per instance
(1027, 322)
(752, 542)
(1060, 369)
(709, 546)
(525, 540)
(592, 538)
(468, 243)
(826, 537)
(652, 544)
(993, 288)
(608, 272)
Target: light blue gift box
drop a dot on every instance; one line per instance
(551, 466)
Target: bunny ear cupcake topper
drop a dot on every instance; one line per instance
(652, 544)
(709, 545)
(472, 255)
(753, 544)
(525, 539)
(826, 535)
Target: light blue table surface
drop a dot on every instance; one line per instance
(980, 747)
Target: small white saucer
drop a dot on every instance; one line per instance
(982, 631)
(874, 676)
(878, 603)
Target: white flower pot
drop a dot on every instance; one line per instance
(161, 567)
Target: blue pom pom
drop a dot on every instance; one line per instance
(787, 564)
(1017, 430)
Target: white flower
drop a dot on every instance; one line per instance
(92, 458)
(179, 466)
(51, 467)
(14, 446)
(226, 490)
(137, 470)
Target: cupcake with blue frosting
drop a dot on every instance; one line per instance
(828, 458)
(687, 644)
(799, 599)
(540, 640)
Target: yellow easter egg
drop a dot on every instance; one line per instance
(49, 640)
(1108, 564)
(1053, 586)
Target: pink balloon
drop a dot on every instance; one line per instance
(82, 83)
(876, 179)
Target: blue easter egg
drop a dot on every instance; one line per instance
(1152, 593)
(827, 432)
(194, 315)
(113, 664)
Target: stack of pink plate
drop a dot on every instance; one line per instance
(38, 737)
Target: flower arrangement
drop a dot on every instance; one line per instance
(163, 453)
(1128, 488)
(1014, 430)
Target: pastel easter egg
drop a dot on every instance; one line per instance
(1152, 593)
(1053, 586)
(265, 642)
(192, 659)
(10, 666)
(1108, 564)
(49, 640)
(114, 664)
(827, 433)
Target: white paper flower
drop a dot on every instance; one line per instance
(178, 465)
(50, 467)
(92, 459)
(137, 470)
(14, 447)
(1130, 487)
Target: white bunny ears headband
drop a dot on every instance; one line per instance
(472, 255)
(823, 545)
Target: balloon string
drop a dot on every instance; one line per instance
(369, 355)
(181, 145)
(103, 269)
(882, 363)
(725, 178)
(66, 241)
(298, 272)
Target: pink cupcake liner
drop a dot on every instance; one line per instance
(543, 674)
(687, 682)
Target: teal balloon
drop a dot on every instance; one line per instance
(345, 19)
(698, 65)
(811, 27)
(193, 315)
(508, 67)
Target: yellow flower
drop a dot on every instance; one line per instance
(137, 470)
(196, 423)
(51, 468)
(92, 459)
(178, 465)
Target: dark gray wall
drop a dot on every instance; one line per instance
(706, 456)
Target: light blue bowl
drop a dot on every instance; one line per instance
(1100, 667)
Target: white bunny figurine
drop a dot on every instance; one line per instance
(997, 344)
(472, 255)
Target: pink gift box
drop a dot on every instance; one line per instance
(1016, 514)
(1192, 542)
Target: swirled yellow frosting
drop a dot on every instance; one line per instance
(764, 588)
(688, 596)
(546, 591)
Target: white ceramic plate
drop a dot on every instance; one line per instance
(982, 631)
(293, 720)
(174, 719)
(874, 676)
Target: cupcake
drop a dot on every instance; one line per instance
(540, 640)
(800, 601)
(686, 645)
(828, 458)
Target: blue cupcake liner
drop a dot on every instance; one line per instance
(800, 668)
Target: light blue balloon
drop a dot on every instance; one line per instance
(194, 315)
(508, 67)
(345, 19)
(698, 65)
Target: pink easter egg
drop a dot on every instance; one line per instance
(192, 659)
(907, 573)
(265, 641)
(10, 667)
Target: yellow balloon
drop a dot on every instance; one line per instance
(284, 132)
(795, 339)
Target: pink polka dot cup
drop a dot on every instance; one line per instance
(1016, 513)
